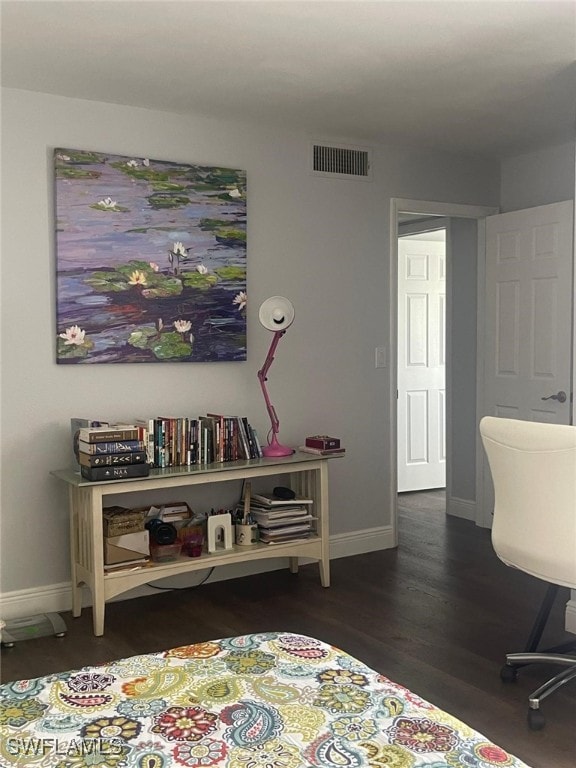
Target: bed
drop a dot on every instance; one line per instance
(274, 700)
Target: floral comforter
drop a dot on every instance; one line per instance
(275, 700)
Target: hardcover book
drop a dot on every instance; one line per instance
(106, 434)
(114, 473)
(278, 513)
(111, 459)
(322, 451)
(124, 446)
(269, 500)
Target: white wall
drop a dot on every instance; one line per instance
(538, 178)
(321, 242)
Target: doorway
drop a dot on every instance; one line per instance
(421, 355)
(401, 211)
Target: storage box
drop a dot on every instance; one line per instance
(125, 548)
(165, 553)
(324, 442)
(121, 520)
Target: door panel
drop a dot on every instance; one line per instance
(528, 319)
(421, 364)
(528, 312)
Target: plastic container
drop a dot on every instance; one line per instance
(165, 553)
(192, 544)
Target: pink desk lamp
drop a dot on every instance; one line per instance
(276, 314)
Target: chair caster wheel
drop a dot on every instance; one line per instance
(509, 674)
(536, 720)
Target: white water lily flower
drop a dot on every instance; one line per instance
(73, 335)
(178, 247)
(235, 193)
(202, 269)
(146, 162)
(65, 158)
(182, 326)
(107, 203)
(240, 299)
(132, 164)
(154, 266)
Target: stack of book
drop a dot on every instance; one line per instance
(281, 520)
(323, 445)
(111, 452)
(177, 441)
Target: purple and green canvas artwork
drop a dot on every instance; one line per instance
(151, 260)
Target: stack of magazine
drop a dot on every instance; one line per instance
(281, 520)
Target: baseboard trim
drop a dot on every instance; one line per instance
(461, 508)
(58, 597)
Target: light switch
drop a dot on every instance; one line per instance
(380, 357)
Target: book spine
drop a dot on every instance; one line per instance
(112, 459)
(146, 436)
(257, 445)
(150, 442)
(96, 435)
(114, 473)
(244, 444)
(127, 446)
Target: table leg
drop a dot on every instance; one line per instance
(76, 590)
(322, 496)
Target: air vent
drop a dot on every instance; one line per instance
(341, 161)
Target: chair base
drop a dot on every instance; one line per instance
(509, 673)
(556, 655)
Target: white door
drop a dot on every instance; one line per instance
(528, 318)
(421, 363)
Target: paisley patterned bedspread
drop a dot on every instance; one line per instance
(275, 700)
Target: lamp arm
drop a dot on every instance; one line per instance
(262, 374)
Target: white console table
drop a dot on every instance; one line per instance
(308, 478)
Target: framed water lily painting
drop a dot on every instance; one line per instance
(150, 259)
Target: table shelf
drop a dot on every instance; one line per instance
(308, 476)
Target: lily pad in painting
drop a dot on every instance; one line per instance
(196, 280)
(167, 200)
(164, 346)
(231, 273)
(74, 350)
(137, 275)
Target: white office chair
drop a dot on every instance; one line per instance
(533, 467)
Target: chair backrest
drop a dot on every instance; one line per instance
(533, 467)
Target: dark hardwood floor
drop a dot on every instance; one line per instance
(437, 615)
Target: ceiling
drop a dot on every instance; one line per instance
(476, 76)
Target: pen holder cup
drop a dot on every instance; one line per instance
(246, 534)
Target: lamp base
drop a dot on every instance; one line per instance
(275, 449)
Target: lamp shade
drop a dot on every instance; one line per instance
(276, 313)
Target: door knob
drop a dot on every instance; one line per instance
(560, 396)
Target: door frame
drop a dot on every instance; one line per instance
(449, 211)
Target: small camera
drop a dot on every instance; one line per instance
(161, 532)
